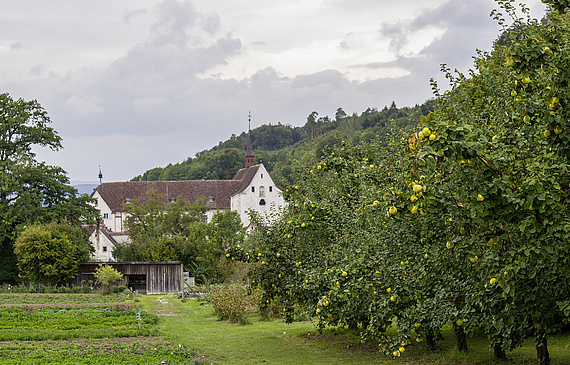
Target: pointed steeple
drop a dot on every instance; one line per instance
(248, 148)
(100, 175)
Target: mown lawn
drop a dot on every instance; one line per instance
(192, 325)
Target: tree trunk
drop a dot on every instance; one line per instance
(499, 353)
(542, 355)
(460, 338)
(430, 340)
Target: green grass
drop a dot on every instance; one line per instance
(193, 325)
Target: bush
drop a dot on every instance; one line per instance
(106, 274)
(273, 309)
(119, 289)
(232, 302)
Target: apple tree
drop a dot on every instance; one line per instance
(503, 130)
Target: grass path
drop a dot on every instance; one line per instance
(273, 342)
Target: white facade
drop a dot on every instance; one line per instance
(259, 195)
(112, 220)
(103, 241)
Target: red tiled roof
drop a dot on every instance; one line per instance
(246, 175)
(115, 193)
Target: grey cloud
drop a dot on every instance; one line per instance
(129, 15)
(153, 101)
(174, 19)
(37, 71)
(211, 23)
(331, 78)
(16, 46)
(398, 34)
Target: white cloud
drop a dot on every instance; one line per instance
(84, 104)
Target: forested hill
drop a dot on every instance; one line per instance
(280, 146)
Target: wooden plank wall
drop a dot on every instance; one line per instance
(161, 277)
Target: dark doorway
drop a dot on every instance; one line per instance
(137, 282)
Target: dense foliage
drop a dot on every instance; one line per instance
(50, 253)
(277, 146)
(171, 231)
(31, 191)
(106, 275)
(463, 221)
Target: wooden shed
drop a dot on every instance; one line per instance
(153, 277)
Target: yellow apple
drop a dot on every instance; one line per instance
(546, 134)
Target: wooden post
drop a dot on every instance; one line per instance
(182, 280)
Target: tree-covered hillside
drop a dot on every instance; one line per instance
(280, 146)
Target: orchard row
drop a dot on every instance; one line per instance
(463, 221)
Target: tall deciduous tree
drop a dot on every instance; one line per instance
(31, 191)
(49, 253)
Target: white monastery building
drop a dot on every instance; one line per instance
(251, 188)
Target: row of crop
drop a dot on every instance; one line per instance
(138, 350)
(86, 287)
(40, 323)
(53, 298)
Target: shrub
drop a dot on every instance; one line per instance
(106, 274)
(273, 309)
(232, 302)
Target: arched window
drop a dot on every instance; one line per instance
(262, 202)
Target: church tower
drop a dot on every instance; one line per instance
(248, 148)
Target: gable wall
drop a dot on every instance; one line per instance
(248, 199)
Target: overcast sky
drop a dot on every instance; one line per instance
(135, 84)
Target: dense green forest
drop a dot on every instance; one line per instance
(280, 146)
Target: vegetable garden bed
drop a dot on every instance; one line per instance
(81, 329)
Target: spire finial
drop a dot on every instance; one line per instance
(249, 148)
(100, 175)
